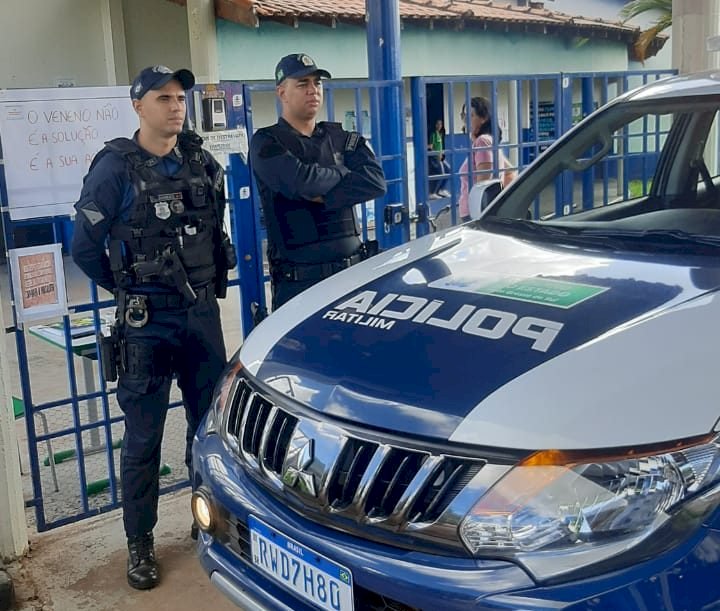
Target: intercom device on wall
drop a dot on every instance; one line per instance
(214, 114)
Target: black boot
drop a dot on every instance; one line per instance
(142, 568)
(194, 531)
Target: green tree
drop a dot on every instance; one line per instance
(663, 8)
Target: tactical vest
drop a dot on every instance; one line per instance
(300, 222)
(169, 214)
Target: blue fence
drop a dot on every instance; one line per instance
(73, 434)
(529, 111)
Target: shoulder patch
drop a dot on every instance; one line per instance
(218, 180)
(352, 141)
(92, 213)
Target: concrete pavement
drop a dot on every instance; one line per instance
(81, 567)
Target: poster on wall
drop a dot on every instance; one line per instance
(38, 282)
(49, 138)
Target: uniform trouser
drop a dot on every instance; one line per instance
(284, 289)
(187, 342)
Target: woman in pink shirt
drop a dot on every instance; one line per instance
(481, 129)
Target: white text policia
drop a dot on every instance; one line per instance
(366, 309)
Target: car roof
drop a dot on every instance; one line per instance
(697, 84)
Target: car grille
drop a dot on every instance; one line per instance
(327, 469)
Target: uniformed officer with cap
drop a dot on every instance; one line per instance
(310, 176)
(149, 228)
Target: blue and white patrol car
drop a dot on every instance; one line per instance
(517, 413)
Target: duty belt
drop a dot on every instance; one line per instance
(307, 272)
(171, 301)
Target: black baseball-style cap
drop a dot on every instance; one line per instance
(297, 65)
(155, 77)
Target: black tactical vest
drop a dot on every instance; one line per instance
(169, 214)
(300, 222)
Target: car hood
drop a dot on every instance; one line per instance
(485, 339)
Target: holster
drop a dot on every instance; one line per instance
(225, 260)
(111, 353)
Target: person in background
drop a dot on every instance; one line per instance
(310, 176)
(437, 163)
(481, 131)
(149, 228)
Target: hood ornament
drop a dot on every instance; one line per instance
(299, 457)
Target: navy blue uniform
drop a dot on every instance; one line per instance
(310, 240)
(182, 336)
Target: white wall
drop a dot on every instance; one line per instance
(248, 54)
(156, 33)
(45, 41)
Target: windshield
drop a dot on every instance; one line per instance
(638, 175)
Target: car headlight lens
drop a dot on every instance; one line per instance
(223, 389)
(558, 500)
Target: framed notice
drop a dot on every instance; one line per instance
(38, 281)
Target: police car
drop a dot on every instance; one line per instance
(517, 413)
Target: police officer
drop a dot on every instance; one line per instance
(149, 228)
(310, 175)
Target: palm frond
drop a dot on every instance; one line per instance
(638, 7)
(663, 8)
(644, 40)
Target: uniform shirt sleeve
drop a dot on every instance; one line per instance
(105, 188)
(364, 181)
(282, 172)
(217, 177)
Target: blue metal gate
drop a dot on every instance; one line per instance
(532, 110)
(73, 424)
(73, 432)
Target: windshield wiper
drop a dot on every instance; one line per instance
(551, 233)
(664, 237)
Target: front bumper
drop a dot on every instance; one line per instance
(386, 577)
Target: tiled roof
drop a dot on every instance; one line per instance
(459, 13)
(347, 9)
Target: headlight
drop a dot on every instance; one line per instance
(575, 502)
(223, 389)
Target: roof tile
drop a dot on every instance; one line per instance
(464, 12)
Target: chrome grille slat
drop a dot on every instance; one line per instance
(391, 481)
(259, 428)
(395, 480)
(332, 474)
(356, 469)
(413, 491)
(235, 400)
(457, 473)
(281, 446)
(265, 439)
(443, 490)
(243, 430)
(376, 462)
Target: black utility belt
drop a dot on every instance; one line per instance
(171, 301)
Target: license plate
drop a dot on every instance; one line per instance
(311, 576)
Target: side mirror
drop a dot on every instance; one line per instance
(481, 195)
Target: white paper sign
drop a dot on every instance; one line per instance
(50, 136)
(226, 141)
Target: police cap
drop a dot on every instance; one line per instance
(155, 77)
(297, 65)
